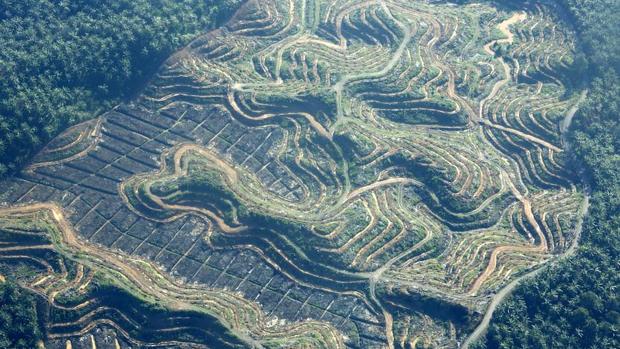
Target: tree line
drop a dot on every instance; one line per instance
(19, 320)
(64, 61)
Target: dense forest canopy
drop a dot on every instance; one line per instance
(65, 61)
(19, 325)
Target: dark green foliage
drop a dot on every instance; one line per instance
(576, 305)
(598, 26)
(19, 327)
(571, 306)
(64, 61)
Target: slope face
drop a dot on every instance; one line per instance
(351, 173)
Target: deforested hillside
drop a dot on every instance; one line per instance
(344, 174)
(576, 305)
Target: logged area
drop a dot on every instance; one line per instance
(314, 174)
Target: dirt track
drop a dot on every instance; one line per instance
(146, 279)
(508, 289)
(504, 28)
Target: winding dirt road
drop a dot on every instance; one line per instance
(144, 278)
(504, 28)
(507, 291)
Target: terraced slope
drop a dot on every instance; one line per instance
(360, 174)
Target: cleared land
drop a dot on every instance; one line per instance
(360, 174)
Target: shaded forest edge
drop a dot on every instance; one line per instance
(64, 62)
(575, 304)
